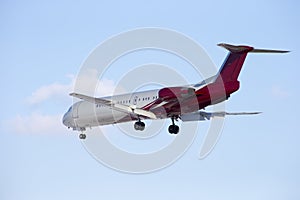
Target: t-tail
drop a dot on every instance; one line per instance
(232, 65)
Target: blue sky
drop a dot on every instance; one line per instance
(43, 46)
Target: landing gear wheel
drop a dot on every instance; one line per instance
(82, 136)
(173, 129)
(139, 126)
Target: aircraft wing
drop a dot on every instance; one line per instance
(118, 107)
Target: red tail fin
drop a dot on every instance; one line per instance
(232, 65)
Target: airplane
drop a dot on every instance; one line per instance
(186, 103)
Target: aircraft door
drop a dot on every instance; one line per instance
(134, 99)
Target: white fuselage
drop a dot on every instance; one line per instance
(86, 114)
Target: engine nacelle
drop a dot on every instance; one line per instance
(176, 92)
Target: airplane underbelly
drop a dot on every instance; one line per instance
(106, 115)
(89, 115)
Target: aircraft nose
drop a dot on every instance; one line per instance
(67, 120)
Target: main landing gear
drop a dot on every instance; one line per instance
(139, 126)
(173, 129)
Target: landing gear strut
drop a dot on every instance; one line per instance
(173, 129)
(82, 136)
(139, 126)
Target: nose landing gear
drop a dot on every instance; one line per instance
(82, 136)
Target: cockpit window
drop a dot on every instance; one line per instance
(69, 109)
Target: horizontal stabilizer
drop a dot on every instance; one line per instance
(236, 113)
(201, 115)
(246, 49)
(268, 51)
(236, 48)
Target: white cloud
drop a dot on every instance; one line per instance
(107, 87)
(85, 84)
(88, 83)
(36, 123)
(46, 92)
